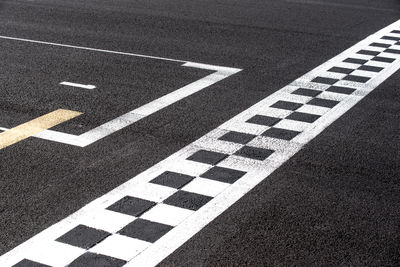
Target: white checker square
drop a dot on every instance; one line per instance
(333, 75)
(106, 220)
(150, 191)
(300, 83)
(362, 56)
(346, 65)
(312, 109)
(54, 253)
(188, 167)
(351, 84)
(166, 214)
(333, 96)
(301, 99)
(242, 164)
(272, 143)
(274, 112)
(205, 187)
(244, 127)
(385, 41)
(377, 64)
(212, 144)
(375, 48)
(120, 247)
(292, 125)
(390, 55)
(369, 74)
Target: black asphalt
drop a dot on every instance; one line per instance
(334, 203)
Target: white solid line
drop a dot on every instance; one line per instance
(137, 114)
(133, 116)
(154, 106)
(89, 48)
(84, 86)
(187, 223)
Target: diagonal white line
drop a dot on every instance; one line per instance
(88, 48)
(83, 86)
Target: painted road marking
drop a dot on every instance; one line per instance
(339, 5)
(35, 126)
(89, 48)
(219, 73)
(84, 86)
(160, 209)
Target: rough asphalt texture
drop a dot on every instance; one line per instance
(334, 203)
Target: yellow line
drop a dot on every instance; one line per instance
(35, 126)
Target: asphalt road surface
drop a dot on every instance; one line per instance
(335, 202)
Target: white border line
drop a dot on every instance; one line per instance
(135, 115)
(89, 48)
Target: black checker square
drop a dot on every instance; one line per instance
(237, 137)
(207, 157)
(224, 175)
(356, 78)
(355, 61)
(306, 92)
(341, 90)
(304, 117)
(341, 70)
(96, 260)
(83, 236)
(323, 102)
(145, 230)
(280, 133)
(187, 200)
(380, 45)
(325, 80)
(263, 120)
(286, 105)
(383, 59)
(172, 179)
(368, 52)
(132, 206)
(254, 152)
(391, 38)
(392, 51)
(370, 68)
(29, 263)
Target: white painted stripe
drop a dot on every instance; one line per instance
(88, 48)
(84, 86)
(187, 222)
(158, 104)
(127, 119)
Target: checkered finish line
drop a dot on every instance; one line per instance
(144, 220)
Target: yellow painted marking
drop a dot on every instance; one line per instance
(36, 126)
